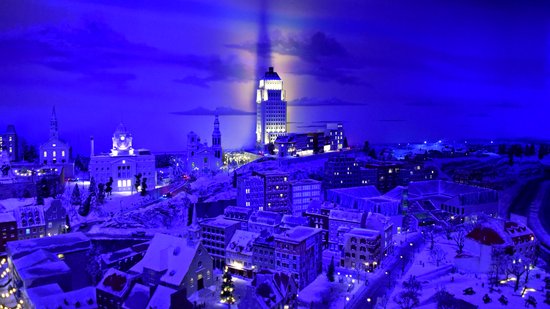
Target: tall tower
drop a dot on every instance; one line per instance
(271, 109)
(122, 142)
(54, 135)
(217, 139)
(194, 230)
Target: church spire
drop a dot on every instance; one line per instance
(193, 230)
(217, 139)
(53, 125)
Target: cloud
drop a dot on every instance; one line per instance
(96, 53)
(308, 101)
(222, 111)
(322, 56)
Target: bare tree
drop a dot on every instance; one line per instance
(437, 255)
(409, 297)
(430, 233)
(458, 237)
(518, 267)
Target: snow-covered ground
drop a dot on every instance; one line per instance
(435, 278)
(329, 294)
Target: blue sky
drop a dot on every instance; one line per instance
(391, 71)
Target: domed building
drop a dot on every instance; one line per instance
(123, 163)
(201, 157)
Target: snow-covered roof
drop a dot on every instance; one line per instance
(377, 221)
(363, 232)
(115, 282)
(55, 244)
(242, 242)
(347, 215)
(29, 216)
(305, 181)
(138, 297)
(358, 192)
(43, 269)
(297, 234)
(6, 217)
(292, 221)
(161, 298)
(266, 217)
(219, 222)
(168, 253)
(50, 297)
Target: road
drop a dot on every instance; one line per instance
(378, 284)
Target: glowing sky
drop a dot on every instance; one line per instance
(390, 70)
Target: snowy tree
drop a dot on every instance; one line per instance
(84, 210)
(437, 255)
(137, 183)
(144, 187)
(226, 294)
(100, 193)
(93, 265)
(92, 189)
(458, 237)
(409, 297)
(330, 271)
(430, 233)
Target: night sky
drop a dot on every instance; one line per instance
(392, 71)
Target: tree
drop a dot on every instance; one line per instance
(100, 193)
(109, 186)
(42, 191)
(372, 153)
(144, 187)
(5, 169)
(458, 237)
(76, 199)
(430, 233)
(409, 297)
(93, 265)
(330, 271)
(137, 183)
(366, 147)
(68, 224)
(93, 187)
(437, 255)
(84, 210)
(271, 148)
(226, 294)
(345, 142)
(518, 267)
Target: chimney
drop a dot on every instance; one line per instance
(270, 69)
(92, 146)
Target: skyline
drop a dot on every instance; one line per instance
(390, 72)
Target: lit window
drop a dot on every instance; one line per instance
(53, 153)
(247, 190)
(45, 154)
(119, 182)
(63, 153)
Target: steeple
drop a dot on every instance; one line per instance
(53, 126)
(217, 139)
(194, 230)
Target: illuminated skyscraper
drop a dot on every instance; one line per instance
(271, 112)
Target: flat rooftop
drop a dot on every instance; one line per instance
(297, 234)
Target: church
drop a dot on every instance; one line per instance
(55, 152)
(200, 157)
(123, 163)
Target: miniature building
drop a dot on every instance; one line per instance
(269, 290)
(30, 222)
(302, 193)
(240, 214)
(341, 172)
(276, 191)
(298, 252)
(9, 143)
(362, 249)
(271, 112)
(263, 256)
(318, 215)
(8, 228)
(113, 289)
(200, 157)
(239, 253)
(55, 217)
(175, 263)
(250, 192)
(340, 222)
(54, 151)
(268, 221)
(216, 234)
(123, 163)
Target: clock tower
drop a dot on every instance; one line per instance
(122, 142)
